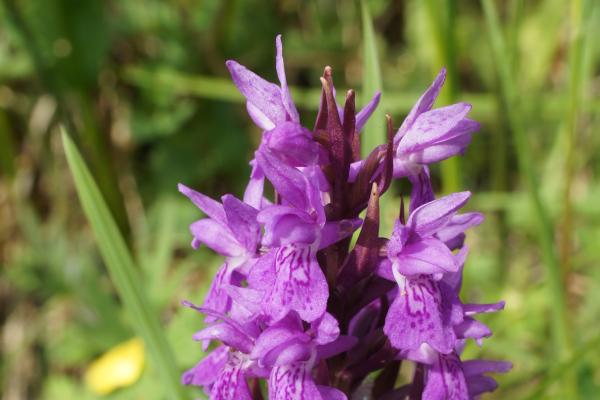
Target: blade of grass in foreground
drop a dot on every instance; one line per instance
(122, 270)
(374, 132)
(510, 96)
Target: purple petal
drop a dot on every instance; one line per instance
(226, 333)
(426, 256)
(434, 126)
(481, 384)
(215, 236)
(363, 115)
(217, 299)
(335, 231)
(253, 195)
(292, 383)
(441, 151)
(262, 274)
(293, 143)
(418, 316)
(207, 371)
(286, 98)
(422, 191)
(342, 344)
(264, 98)
(327, 328)
(431, 217)
(231, 383)
(446, 380)
(422, 105)
(285, 225)
(329, 393)
(241, 220)
(300, 285)
(472, 329)
(287, 181)
(472, 309)
(425, 354)
(273, 341)
(208, 206)
(458, 224)
(476, 367)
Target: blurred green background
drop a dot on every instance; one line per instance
(142, 88)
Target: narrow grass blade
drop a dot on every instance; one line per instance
(441, 15)
(374, 131)
(122, 270)
(510, 96)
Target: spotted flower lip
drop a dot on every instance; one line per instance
(301, 311)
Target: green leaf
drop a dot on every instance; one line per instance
(123, 271)
(374, 131)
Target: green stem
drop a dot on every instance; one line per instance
(576, 53)
(545, 228)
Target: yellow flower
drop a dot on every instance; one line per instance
(119, 367)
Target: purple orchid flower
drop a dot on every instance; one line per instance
(427, 136)
(420, 313)
(231, 230)
(289, 274)
(268, 104)
(301, 306)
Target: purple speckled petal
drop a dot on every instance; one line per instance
(207, 371)
(431, 217)
(216, 298)
(419, 316)
(446, 380)
(422, 191)
(335, 231)
(241, 219)
(231, 384)
(426, 256)
(441, 151)
(210, 207)
(434, 126)
(363, 115)
(292, 383)
(216, 236)
(264, 98)
(422, 105)
(286, 98)
(300, 284)
(262, 274)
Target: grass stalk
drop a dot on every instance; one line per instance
(545, 228)
(442, 17)
(576, 83)
(123, 271)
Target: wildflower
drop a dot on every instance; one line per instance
(299, 306)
